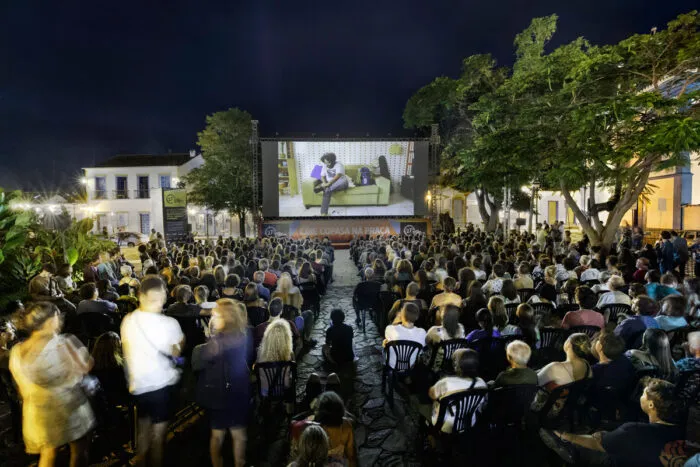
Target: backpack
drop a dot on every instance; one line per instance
(365, 176)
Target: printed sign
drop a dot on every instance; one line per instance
(174, 214)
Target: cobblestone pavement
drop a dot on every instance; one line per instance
(384, 436)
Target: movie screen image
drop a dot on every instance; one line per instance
(345, 178)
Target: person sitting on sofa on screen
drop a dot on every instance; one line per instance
(332, 179)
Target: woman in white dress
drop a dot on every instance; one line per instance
(48, 368)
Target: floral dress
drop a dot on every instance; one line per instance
(55, 409)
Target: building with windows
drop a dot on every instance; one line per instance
(124, 192)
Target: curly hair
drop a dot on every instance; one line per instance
(276, 345)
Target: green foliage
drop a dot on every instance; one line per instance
(26, 243)
(578, 116)
(225, 181)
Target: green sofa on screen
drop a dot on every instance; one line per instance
(368, 195)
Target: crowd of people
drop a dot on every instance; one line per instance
(478, 312)
(192, 323)
(568, 319)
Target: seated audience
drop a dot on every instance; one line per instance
(201, 298)
(466, 366)
(632, 328)
(659, 286)
(656, 443)
(615, 296)
(613, 370)
(406, 331)
(330, 415)
(412, 291)
(91, 303)
(585, 316)
(672, 311)
(486, 328)
(575, 368)
(655, 354)
(313, 449)
(518, 354)
(182, 308)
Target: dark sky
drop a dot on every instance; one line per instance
(83, 80)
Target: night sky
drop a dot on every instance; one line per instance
(83, 80)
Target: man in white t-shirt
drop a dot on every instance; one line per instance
(150, 342)
(332, 179)
(466, 365)
(406, 331)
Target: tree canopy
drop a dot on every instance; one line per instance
(577, 116)
(225, 181)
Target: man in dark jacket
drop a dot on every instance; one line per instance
(665, 252)
(680, 248)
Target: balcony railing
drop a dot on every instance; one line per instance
(121, 194)
(99, 194)
(142, 193)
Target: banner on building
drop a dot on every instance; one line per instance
(344, 230)
(174, 214)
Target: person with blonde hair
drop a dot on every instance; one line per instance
(287, 292)
(313, 449)
(48, 368)
(575, 368)
(223, 385)
(276, 345)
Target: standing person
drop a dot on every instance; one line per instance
(665, 252)
(223, 386)
(332, 179)
(681, 254)
(48, 368)
(151, 342)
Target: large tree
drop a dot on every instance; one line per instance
(471, 158)
(605, 117)
(225, 181)
(600, 117)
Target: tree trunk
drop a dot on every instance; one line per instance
(604, 235)
(489, 217)
(241, 223)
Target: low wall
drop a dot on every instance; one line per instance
(344, 230)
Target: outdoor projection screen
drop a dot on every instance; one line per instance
(368, 178)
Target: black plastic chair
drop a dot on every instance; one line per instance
(564, 308)
(406, 355)
(256, 315)
(563, 404)
(525, 294)
(511, 308)
(508, 406)
(590, 331)
(276, 382)
(676, 338)
(688, 386)
(542, 310)
(446, 348)
(612, 311)
(386, 301)
(365, 298)
(463, 406)
(551, 346)
(93, 325)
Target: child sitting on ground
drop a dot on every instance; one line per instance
(338, 349)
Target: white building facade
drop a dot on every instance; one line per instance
(121, 191)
